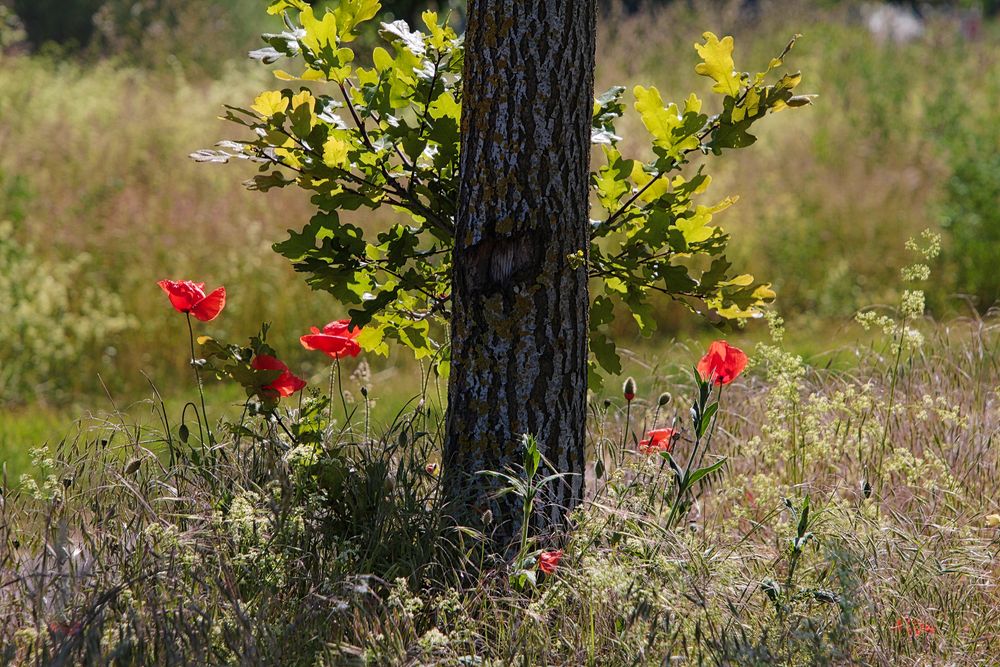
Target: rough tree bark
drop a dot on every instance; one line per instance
(520, 320)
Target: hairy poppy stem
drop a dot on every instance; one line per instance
(625, 433)
(711, 430)
(333, 374)
(197, 377)
(340, 388)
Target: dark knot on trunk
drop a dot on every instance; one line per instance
(493, 265)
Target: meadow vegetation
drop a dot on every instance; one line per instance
(853, 520)
(852, 517)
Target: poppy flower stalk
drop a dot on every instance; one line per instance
(197, 377)
(337, 339)
(722, 364)
(628, 391)
(190, 298)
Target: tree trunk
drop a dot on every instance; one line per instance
(520, 321)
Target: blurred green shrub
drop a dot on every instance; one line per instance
(144, 32)
(49, 321)
(202, 36)
(151, 33)
(965, 130)
(971, 216)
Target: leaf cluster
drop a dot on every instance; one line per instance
(233, 362)
(654, 235)
(386, 132)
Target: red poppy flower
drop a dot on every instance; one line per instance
(286, 384)
(548, 561)
(658, 440)
(913, 627)
(723, 363)
(335, 340)
(189, 297)
(431, 469)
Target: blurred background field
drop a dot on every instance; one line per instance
(101, 101)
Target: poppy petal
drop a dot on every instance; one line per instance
(548, 561)
(338, 328)
(722, 363)
(286, 384)
(265, 362)
(316, 342)
(332, 346)
(183, 294)
(209, 308)
(658, 440)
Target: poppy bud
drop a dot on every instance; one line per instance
(866, 489)
(629, 389)
(607, 403)
(664, 399)
(364, 392)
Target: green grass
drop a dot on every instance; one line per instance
(649, 360)
(21, 430)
